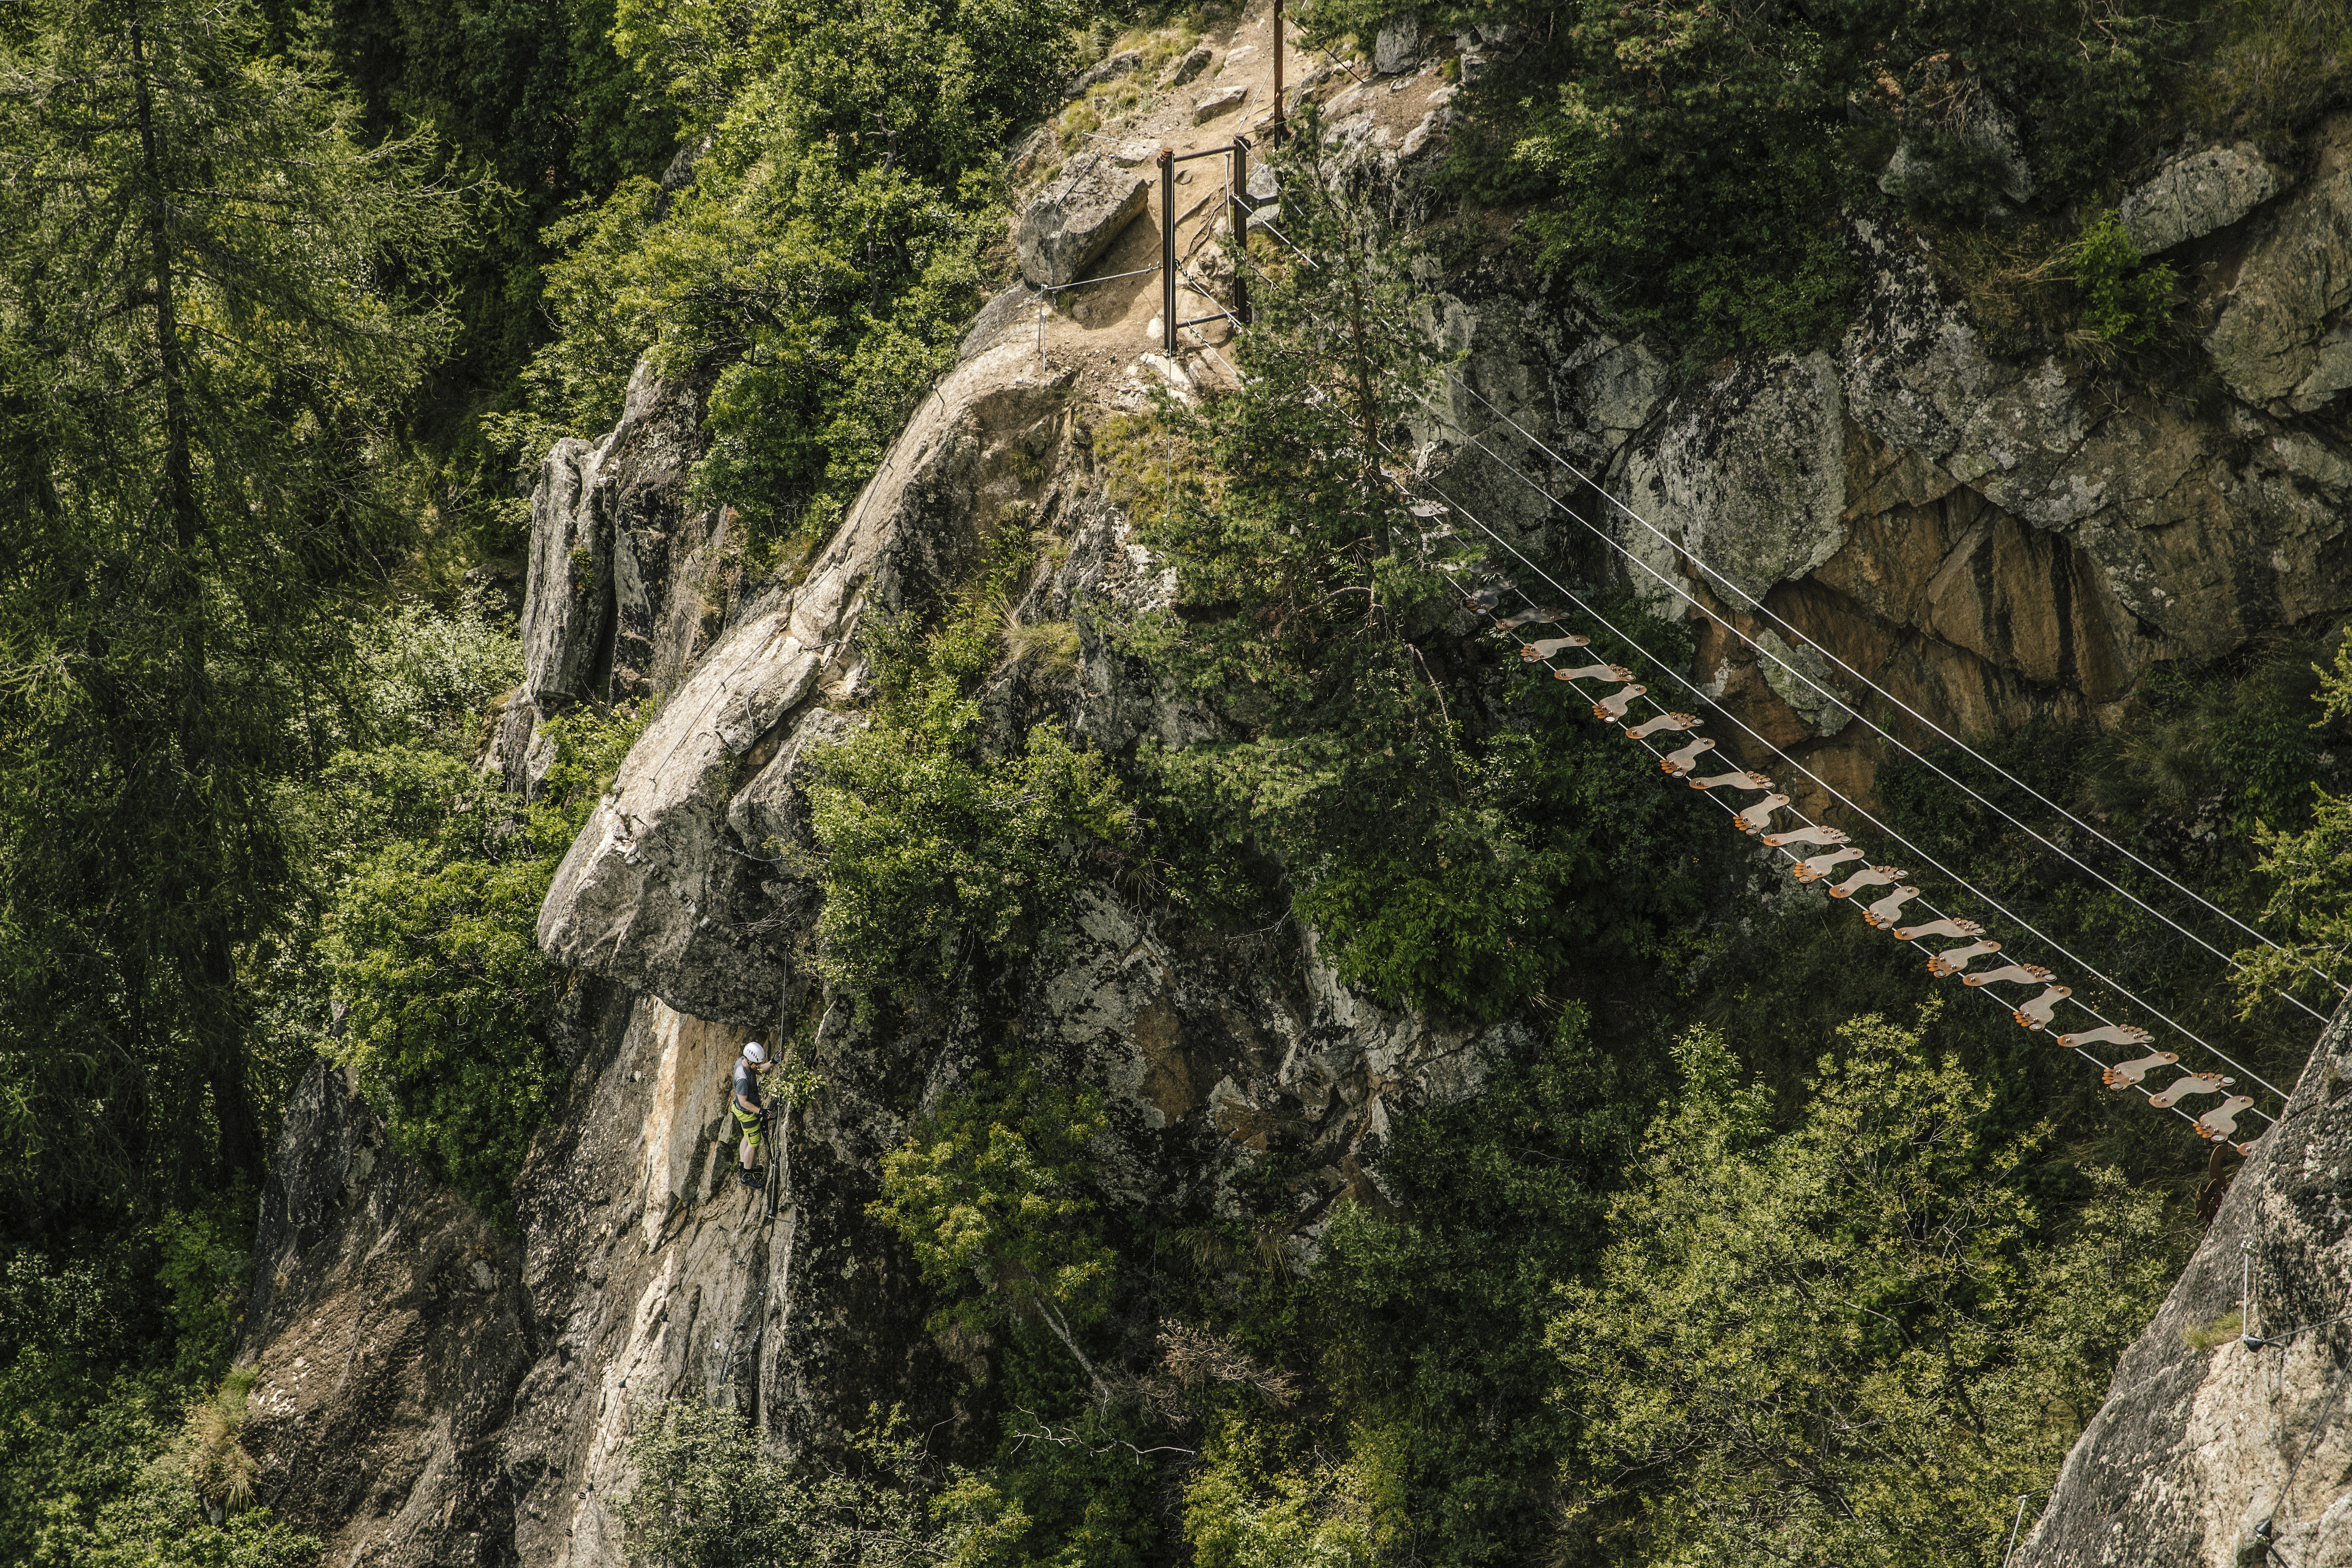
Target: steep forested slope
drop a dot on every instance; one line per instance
(1267, 1079)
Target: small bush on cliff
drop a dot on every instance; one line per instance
(708, 1494)
(924, 844)
(1691, 163)
(2125, 298)
(2311, 879)
(432, 948)
(990, 1194)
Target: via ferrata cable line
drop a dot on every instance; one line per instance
(1679, 592)
(2036, 1014)
(1961, 882)
(1761, 609)
(1848, 708)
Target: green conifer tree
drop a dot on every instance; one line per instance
(212, 296)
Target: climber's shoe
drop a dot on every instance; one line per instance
(750, 1178)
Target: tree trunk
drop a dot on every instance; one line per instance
(208, 964)
(1054, 1320)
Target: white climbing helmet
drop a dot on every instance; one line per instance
(753, 1053)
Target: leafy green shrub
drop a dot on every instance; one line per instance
(919, 839)
(1689, 163)
(709, 1496)
(202, 1272)
(1245, 1507)
(432, 945)
(1694, 155)
(991, 1189)
(1432, 1315)
(99, 1458)
(426, 673)
(2125, 298)
(1845, 1343)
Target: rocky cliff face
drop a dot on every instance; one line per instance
(2216, 1448)
(1992, 540)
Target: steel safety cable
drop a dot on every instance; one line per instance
(2113, 983)
(1680, 592)
(1761, 608)
(1804, 640)
(1960, 881)
(1704, 697)
(1835, 794)
(2146, 1092)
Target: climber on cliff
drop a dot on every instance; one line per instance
(751, 1113)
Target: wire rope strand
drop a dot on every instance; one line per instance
(2145, 1091)
(2100, 974)
(1679, 592)
(1908, 750)
(1835, 794)
(1985, 761)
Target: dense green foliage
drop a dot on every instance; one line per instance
(820, 270)
(112, 1443)
(1452, 860)
(529, 94)
(1674, 1286)
(1693, 164)
(708, 1492)
(201, 341)
(2310, 865)
(923, 842)
(1842, 1344)
(432, 945)
(987, 1193)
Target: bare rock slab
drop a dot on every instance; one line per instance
(2194, 194)
(1075, 220)
(1398, 47)
(1194, 62)
(1119, 65)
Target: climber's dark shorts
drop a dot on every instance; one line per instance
(753, 1127)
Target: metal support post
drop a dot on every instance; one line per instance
(1241, 229)
(1168, 246)
(1279, 129)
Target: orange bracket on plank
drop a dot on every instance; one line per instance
(1952, 960)
(1612, 707)
(2014, 975)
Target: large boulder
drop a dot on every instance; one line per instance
(1219, 101)
(1398, 47)
(1196, 60)
(2193, 194)
(619, 569)
(1117, 64)
(1075, 219)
